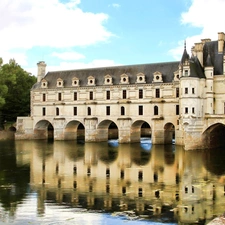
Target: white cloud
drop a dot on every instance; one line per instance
(204, 14)
(68, 55)
(29, 23)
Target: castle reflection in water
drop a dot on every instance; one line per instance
(154, 181)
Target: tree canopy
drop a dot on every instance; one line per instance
(15, 85)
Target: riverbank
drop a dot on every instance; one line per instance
(7, 135)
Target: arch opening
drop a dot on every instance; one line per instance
(44, 130)
(169, 133)
(140, 131)
(214, 136)
(74, 130)
(107, 130)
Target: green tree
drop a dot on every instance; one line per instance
(15, 85)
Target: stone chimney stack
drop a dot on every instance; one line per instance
(199, 51)
(41, 70)
(221, 39)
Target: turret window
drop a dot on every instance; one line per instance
(186, 110)
(186, 90)
(193, 90)
(193, 110)
(44, 97)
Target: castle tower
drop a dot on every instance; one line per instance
(209, 85)
(41, 70)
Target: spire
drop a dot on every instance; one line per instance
(185, 56)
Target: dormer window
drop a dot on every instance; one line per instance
(75, 82)
(157, 77)
(124, 79)
(44, 83)
(176, 76)
(59, 82)
(91, 80)
(140, 78)
(108, 80)
(186, 73)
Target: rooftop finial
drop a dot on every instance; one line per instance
(185, 44)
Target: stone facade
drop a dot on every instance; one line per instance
(183, 100)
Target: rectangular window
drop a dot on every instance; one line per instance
(91, 95)
(177, 93)
(108, 110)
(124, 94)
(186, 73)
(107, 95)
(186, 90)
(59, 96)
(193, 90)
(140, 110)
(193, 110)
(177, 110)
(186, 110)
(140, 93)
(44, 97)
(75, 96)
(75, 111)
(157, 93)
(43, 111)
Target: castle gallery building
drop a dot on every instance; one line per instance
(182, 100)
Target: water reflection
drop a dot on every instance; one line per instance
(162, 183)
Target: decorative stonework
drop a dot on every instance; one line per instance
(44, 83)
(108, 80)
(91, 81)
(124, 79)
(140, 78)
(157, 77)
(75, 82)
(59, 82)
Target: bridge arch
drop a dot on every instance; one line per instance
(214, 136)
(107, 129)
(43, 130)
(74, 130)
(169, 133)
(140, 128)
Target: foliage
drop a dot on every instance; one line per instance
(15, 85)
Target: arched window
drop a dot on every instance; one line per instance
(57, 111)
(122, 111)
(156, 110)
(89, 111)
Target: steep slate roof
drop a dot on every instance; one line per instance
(211, 48)
(167, 69)
(196, 69)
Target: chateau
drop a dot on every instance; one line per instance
(182, 100)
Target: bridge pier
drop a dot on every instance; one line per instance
(59, 124)
(124, 130)
(91, 130)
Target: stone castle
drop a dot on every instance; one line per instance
(183, 100)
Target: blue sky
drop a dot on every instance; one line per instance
(73, 34)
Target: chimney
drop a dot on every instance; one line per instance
(199, 51)
(41, 70)
(221, 38)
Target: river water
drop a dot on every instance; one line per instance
(65, 182)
